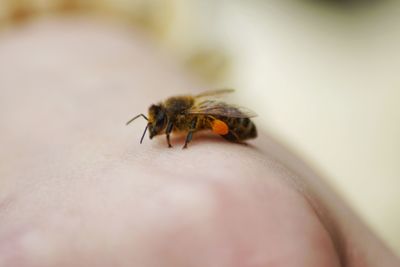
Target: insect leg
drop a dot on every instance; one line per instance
(233, 137)
(188, 139)
(237, 139)
(190, 133)
(170, 126)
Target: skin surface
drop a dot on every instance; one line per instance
(77, 188)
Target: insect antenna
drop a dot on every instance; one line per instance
(144, 133)
(134, 118)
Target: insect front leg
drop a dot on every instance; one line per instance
(190, 133)
(170, 126)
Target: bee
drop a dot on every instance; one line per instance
(192, 113)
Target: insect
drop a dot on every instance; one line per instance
(192, 113)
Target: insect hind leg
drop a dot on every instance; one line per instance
(233, 137)
(190, 133)
(168, 131)
(188, 139)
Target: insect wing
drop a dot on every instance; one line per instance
(214, 93)
(217, 108)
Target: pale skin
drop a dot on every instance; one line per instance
(77, 188)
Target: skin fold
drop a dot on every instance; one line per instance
(77, 188)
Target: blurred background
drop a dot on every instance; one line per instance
(322, 75)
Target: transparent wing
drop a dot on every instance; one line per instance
(214, 93)
(217, 108)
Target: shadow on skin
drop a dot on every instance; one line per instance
(199, 138)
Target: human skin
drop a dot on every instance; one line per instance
(77, 188)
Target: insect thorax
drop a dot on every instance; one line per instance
(178, 105)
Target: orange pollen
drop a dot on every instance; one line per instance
(219, 127)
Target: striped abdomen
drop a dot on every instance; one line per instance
(240, 129)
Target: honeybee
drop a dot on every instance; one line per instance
(192, 113)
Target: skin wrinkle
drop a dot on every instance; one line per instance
(329, 221)
(229, 200)
(330, 226)
(318, 209)
(316, 205)
(298, 184)
(295, 181)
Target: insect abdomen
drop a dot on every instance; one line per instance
(240, 129)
